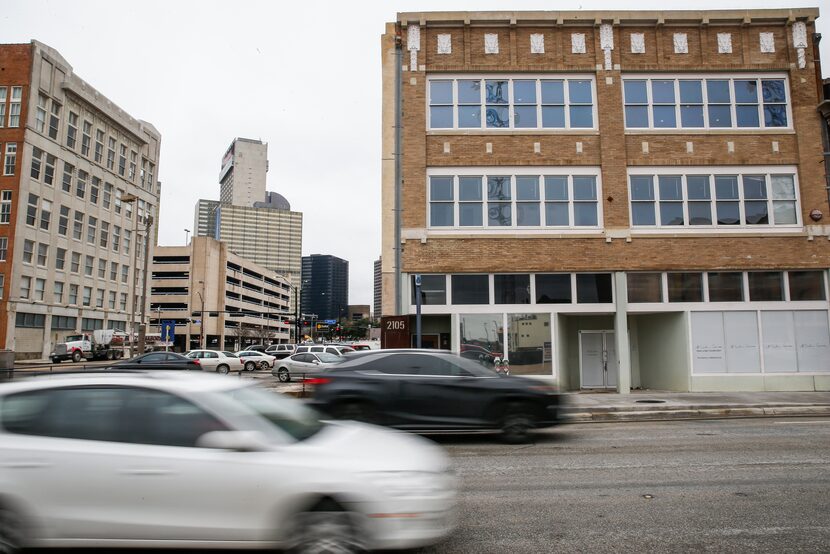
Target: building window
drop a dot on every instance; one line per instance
(507, 103)
(110, 153)
(102, 268)
(706, 103)
(718, 200)
(133, 160)
(806, 285)
(28, 251)
(11, 158)
(122, 160)
(470, 289)
(127, 239)
(99, 146)
(40, 287)
(3, 93)
(94, 190)
(40, 113)
(34, 321)
(42, 254)
(14, 106)
(766, 286)
(118, 193)
(87, 298)
(63, 221)
(512, 289)
(111, 299)
(4, 248)
(78, 225)
(75, 263)
(25, 286)
(2, 285)
(54, 120)
(726, 286)
(91, 229)
(5, 206)
(37, 155)
(593, 288)
(57, 296)
(31, 210)
(45, 214)
(685, 287)
(645, 287)
(60, 258)
(122, 301)
(86, 139)
(80, 189)
(116, 238)
(553, 288)
(107, 196)
(526, 201)
(125, 273)
(73, 295)
(105, 232)
(64, 323)
(89, 263)
(433, 290)
(113, 271)
(72, 130)
(91, 324)
(68, 173)
(151, 168)
(49, 169)
(99, 298)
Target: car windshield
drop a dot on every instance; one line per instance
(286, 414)
(328, 358)
(229, 354)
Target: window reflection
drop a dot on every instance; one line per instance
(482, 338)
(529, 344)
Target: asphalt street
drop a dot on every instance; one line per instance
(760, 485)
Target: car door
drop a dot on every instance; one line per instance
(209, 360)
(153, 360)
(303, 364)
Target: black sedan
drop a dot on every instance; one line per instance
(159, 360)
(430, 390)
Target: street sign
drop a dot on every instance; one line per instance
(329, 321)
(168, 330)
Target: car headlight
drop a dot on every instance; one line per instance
(413, 483)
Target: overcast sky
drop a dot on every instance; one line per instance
(302, 76)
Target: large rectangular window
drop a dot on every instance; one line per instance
(527, 200)
(706, 102)
(5, 206)
(433, 290)
(470, 289)
(553, 288)
(685, 287)
(512, 289)
(10, 159)
(526, 102)
(749, 198)
(593, 288)
(645, 287)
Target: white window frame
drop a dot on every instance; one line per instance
(714, 171)
(702, 77)
(15, 103)
(513, 172)
(6, 207)
(10, 159)
(511, 77)
(3, 96)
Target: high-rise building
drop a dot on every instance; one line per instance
(325, 291)
(378, 289)
(242, 176)
(78, 194)
(611, 199)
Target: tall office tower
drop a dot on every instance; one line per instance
(242, 177)
(378, 290)
(325, 285)
(78, 194)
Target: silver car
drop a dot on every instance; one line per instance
(304, 364)
(216, 360)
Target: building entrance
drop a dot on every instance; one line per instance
(597, 360)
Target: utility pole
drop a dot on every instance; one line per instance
(142, 328)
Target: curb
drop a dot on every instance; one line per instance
(700, 413)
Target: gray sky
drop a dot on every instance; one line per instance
(302, 76)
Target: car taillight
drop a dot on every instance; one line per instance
(317, 381)
(196, 361)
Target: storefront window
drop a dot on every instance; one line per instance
(482, 338)
(529, 344)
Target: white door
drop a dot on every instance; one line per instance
(597, 359)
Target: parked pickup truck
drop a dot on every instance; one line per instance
(103, 344)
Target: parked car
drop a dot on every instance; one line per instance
(336, 349)
(216, 360)
(159, 360)
(280, 351)
(251, 360)
(367, 345)
(434, 390)
(304, 364)
(256, 347)
(178, 459)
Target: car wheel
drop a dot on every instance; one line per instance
(76, 356)
(325, 529)
(283, 375)
(11, 531)
(517, 424)
(264, 365)
(223, 369)
(250, 366)
(357, 411)
(56, 360)
(110, 355)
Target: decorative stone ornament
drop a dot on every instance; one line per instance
(800, 42)
(767, 43)
(638, 43)
(577, 43)
(724, 43)
(606, 41)
(413, 44)
(491, 43)
(537, 43)
(445, 43)
(681, 43)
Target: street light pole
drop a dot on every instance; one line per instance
(142, 329)
(128, 198)
(186, 236)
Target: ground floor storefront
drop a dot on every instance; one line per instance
(675, 331)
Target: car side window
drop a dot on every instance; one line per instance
(396, 364)
(332, 350)
(304, 358)
(316, 349)
(164, 419)
(211, 355)
(155, 357)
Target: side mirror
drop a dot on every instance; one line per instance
(238, 441)
(316, 362)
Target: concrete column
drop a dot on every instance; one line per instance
(621, 333)
(47, 337)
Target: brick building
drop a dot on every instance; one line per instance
(78, 193)
(612, 199)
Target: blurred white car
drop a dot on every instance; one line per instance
(216, 360)
(304, 364)
(183, 459)
(251, 360)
